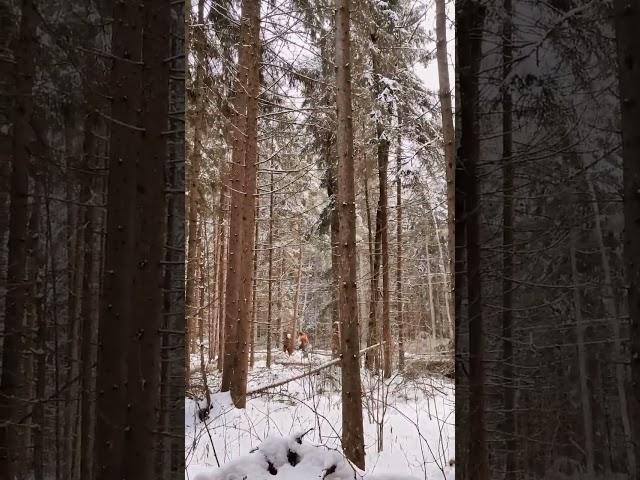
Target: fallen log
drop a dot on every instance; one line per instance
(307, 373)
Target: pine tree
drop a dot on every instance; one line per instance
(352, 429)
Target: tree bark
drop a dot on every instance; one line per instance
(352, 428)
(11, 407)
(585, 392)
(270, 271)
(507, 247)
(144, 339)
(116, 306)
(89, 308)
(202, 239)
(446, 113)
(382, 233)
(254, 307)
(296, 298)
(222, 282)
(470, 50)
(373, 335)
(211, 283)
(627, 18)
(399, 317)
(245, 154)
(432, 307)
(193, 176)
(171, 446)
(611, 309)
(38, 268)
(443, 270)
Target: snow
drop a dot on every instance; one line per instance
(418, 438)
(307, 461)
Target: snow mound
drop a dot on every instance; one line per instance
(286, 458)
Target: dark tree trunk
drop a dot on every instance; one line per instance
(37, 260)
(352, 429)
(470, 49)
(11, 408)
(145, 341)
(507, 249)
(222, 259)
(627, 16)
(117, 300)
(373, 335)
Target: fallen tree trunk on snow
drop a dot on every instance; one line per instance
(308, 372)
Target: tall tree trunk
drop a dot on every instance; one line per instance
(335, 285)
(471, 20)
(611, 309)
(270, 271)
(202, 239)
(333, 237)
(372, 356)
(36, 254)
(193, 176)
(117, 300)
(279, 322)
(173, 385)
(399, 318)
(352, 428)
(75, 267)
(459, 281)
(88, 316)
(443, 271)
(222, 282)
(382, 234)
(235, 217)
(245, 154)
(367, 206)
(296, 298)
(11, 407)
(432, 307)
(254, 307)
(627, 17)
(585, 392)
(331, 184)
(212, 282)
(448, 132)
(144, 340)
(507, 247)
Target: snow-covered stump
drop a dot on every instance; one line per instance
(288, 458)
(285, 458)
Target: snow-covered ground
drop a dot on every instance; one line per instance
(417, 441)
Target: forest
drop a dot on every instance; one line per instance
(91, 244)
(546, 294)
(319, 180)
(340, 239)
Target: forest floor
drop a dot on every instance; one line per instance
(416, 409)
